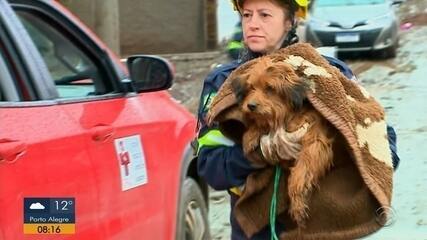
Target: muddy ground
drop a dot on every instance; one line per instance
(400, 85)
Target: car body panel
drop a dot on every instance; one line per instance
(67, 149)
(42, 169)
(349, 16)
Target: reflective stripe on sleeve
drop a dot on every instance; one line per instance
(235, 45)
(207, 100)
(237, 190)
(214, 138)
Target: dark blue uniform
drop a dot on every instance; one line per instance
(222, 163)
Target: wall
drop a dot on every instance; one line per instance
(151, 26)
(162, 26)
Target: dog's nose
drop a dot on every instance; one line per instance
(252, 106)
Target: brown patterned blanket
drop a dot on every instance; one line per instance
(353, 199)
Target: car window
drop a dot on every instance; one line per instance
(4, 73)
(72, 70)
(7, 87)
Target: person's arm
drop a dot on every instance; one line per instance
(221, 162)
(222, 166)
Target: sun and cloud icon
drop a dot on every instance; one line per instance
(37, 206)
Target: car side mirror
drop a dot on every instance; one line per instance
(150, 73)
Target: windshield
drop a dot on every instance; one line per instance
(331, 3)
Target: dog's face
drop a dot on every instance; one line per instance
(269, 92)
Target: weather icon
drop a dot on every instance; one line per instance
(37, 206)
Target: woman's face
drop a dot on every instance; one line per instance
(264, 25)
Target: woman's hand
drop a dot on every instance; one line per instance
(281, 145)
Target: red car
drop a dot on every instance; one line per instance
(89, 148)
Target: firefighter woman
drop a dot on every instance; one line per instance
(267, 26)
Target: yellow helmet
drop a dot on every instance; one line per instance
(302, 3)
(298, 6)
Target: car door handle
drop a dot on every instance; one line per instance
(11, 150)
(102, 133)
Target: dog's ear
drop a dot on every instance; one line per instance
(246, 66)
(297, 94)
(278, 58)
(239, 88)
(289, 85)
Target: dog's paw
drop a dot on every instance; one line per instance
(298, 191)
(298, 212)
(250, 141)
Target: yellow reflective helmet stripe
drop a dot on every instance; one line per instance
(213, 138)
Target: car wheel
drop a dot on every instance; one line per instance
(391, 51)
(193, 221)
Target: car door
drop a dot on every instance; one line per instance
(132, 139)
(43, 153)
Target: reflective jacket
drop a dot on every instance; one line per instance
(235, 45)
(221, 162)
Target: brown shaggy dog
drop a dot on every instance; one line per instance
(272, 96)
